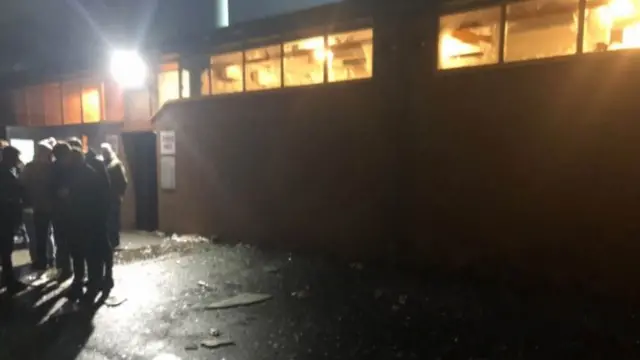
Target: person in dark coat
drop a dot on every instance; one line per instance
(83, 211)
(11, 204)
(60, 179)
(36, 178)
(103, 251)
(118, 178)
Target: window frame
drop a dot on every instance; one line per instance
(582, 5)
(359, 24)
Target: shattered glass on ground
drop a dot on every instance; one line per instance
(320, 309)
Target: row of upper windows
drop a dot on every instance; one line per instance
(537, 29)
(68, 103)
(330, 58)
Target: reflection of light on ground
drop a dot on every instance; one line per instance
(137, 287)
(166, 357)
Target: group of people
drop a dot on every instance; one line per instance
(75, 195)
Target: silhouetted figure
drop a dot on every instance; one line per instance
(60, 182)
(83, 213)
(37, 179)
(118, 178)
(11, 203)
(101, 250)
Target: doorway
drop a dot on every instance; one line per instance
(140, 150)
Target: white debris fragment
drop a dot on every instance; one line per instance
(214, 332)
(166, 357)
(204, 285)
(217, 342)
(302, 294)
(244, 299)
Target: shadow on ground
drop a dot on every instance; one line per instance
(39, 323)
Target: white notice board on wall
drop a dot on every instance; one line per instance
(168, 172)
(167, 142)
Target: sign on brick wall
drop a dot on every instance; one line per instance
(167, 142)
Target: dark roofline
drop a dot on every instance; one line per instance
(324, 17)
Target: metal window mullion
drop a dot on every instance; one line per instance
(244, 70)
(81, 103)
(281, 64)
(325, 77)
(582, 9)
(503, 32)
(179, 80)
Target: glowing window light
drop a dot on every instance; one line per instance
(450, 47)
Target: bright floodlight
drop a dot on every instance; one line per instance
(128, 69)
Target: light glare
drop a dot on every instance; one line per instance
(128, 69)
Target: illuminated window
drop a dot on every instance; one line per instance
(52, 104)
(205, 80)
(469, 39)
(611, 25)
(541, 29)
(226, 73)
(186, 88)
(71, 103)
(91, 103)
(168, 83)
(262, 67)
(304, 61)
(350, 55)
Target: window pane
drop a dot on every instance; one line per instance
(263, 68)
(91, 104)
(35, 105)
(540, 29)
(71, 103)
(53, 104)
(114, 99)
(611, 25)
(469, 39)
(226, 73)
(168, 86)
(205, 80)
(351, 55)
(186, 88)
(304, 62)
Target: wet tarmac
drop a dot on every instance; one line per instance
(320, 309)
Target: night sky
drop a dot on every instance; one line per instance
(242, 10)
(38, 31)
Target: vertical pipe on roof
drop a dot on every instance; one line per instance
(222, 13)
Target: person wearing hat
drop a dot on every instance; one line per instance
(11, 205)
(37, 178)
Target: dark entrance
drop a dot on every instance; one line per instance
(140, 149)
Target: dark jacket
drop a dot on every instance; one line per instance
(84, 204)
(118, 177)
(36, 178)
(105, 183)
(60, 182)
(11, 197)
